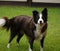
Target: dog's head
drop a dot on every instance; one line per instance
(40, 18)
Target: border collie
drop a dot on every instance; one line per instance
(34, 27)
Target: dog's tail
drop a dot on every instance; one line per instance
(5, 22)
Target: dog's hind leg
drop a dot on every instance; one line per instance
(12, 35)
(19, 37)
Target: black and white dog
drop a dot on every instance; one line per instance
(34, 27)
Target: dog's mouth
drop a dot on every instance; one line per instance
(40, 24)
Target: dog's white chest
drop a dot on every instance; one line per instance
(37, 32)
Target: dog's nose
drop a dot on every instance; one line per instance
(40, 22)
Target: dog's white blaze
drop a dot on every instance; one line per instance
(30, 48)
(40, 19)
(8, 46)
(2, 22)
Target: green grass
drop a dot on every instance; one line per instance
(52, 40)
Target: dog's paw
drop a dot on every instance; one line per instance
(17, 44)
(8, 46)
(41, 49)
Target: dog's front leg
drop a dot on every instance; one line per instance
(42, 43)
(31, 40)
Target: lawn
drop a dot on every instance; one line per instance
(52, 40)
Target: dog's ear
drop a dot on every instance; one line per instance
(35, 16)
(44, 13)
